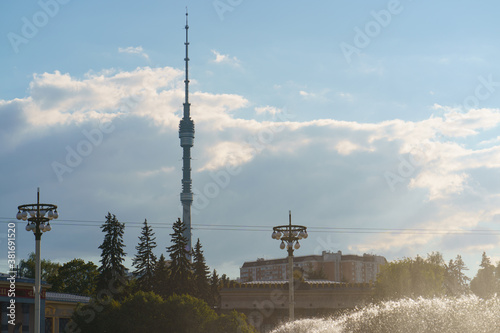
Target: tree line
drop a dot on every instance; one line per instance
(178, 293)
(434, 277)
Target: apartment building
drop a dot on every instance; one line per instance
(334, 267)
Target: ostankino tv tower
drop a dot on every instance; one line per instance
(186, 134)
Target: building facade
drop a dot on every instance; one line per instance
(330, 266)
(17, 307)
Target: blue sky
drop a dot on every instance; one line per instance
(354, 115)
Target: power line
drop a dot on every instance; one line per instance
(267, 228)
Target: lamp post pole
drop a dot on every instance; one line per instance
(290, 235)
(38, 223)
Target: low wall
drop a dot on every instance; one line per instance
(266, 303)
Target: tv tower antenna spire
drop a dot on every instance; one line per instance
(186, 135)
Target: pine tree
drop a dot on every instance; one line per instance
(201, 274)
(112, 269)
(145, 260)
(456, 281)
(160, 277)
(483, 284)
(179, 280)
(214, 290)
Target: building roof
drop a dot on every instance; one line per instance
(61, 297)
(320, 258)
(281, 261)
(49, 295)
(5, 276)
(286, 281)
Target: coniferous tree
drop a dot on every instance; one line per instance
(160, 277)
(145, 260)
(179, 280)
(484, 284)
(112, 269)
(214, 290)
(456, 281)
(201, 274)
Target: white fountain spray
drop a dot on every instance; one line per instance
(466, 314)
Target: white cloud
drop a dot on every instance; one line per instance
(346, 147)
(346, 96)
(225, 59)
(268, 110)
(228, 153)
(331, 167)
(134, 50)
(439, 185)
(150, 173)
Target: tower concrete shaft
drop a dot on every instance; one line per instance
(186, 135)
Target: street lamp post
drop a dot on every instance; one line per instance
(290, 236)
(38, 222)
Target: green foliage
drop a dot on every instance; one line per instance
(145, 260)
(186, 313)
(410, 278)
(484, 284)
(232, 322)
(214, 290)
(456, 282)
(94, 317)
(201, 274)
(224, 280)
(76, 277)
(27, 268)
(180, 277)
(160, 277)
(148, 312)
(112, 255)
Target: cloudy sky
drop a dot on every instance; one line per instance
(375, 122)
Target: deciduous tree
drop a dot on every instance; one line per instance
(27, 268)
(410, 278)
(76, 277)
